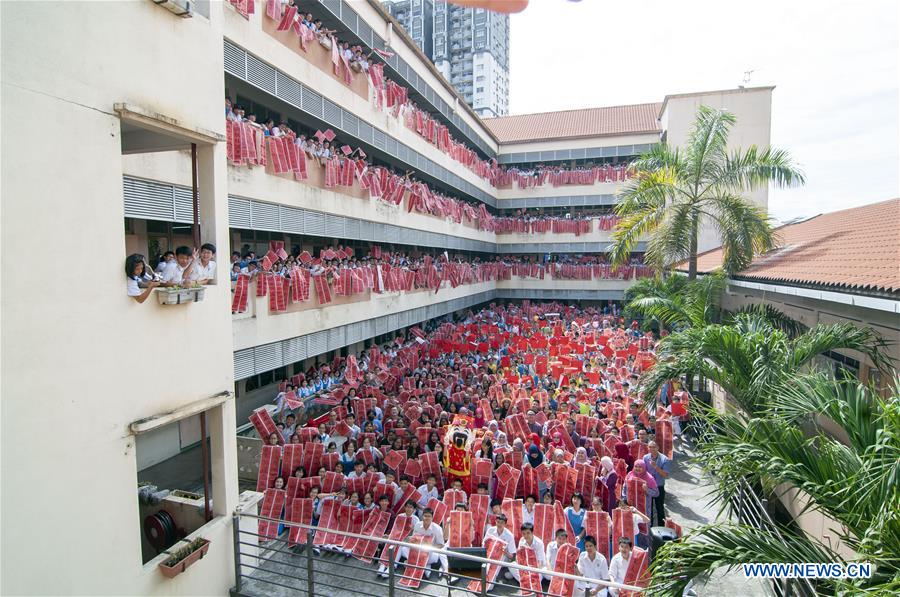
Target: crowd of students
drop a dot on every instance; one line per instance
(338, 271)
(349, 60)
(517, 428)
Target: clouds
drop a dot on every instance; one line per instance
(834, 64)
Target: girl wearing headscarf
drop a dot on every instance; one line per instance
(581, 457)
(502, 443)
(640, 473)
(624, 453)
(609, 478)
(479, 418)
(557, 441)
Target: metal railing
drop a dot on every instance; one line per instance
(263, 565)
(752, 509)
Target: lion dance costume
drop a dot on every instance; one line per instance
(458, 455)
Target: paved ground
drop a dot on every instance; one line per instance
(687, 503)
(336, 576)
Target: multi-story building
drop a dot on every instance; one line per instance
(417, 18)
(471, 49)
(116, 142)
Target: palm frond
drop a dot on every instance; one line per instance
(774, 317)
(744, 229)
(726, 545)
(754, 169)
(706, 143)
(672, 240)
(824, 338)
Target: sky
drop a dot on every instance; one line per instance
(834, 64)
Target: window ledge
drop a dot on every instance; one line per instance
(188, 410)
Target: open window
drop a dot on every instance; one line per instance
(176, 478)
(169, 225)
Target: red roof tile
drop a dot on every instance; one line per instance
(857, 248)
(567, 124)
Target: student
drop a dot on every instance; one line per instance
(429, 528)
(135, 272)
(180, 273)
(500, 532)
(528, 509)
(553, 547)
(591, 564)
(204, 272)
(428, 491)
(530, 541)
(618, 565)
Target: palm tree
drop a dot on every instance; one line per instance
(674, 191)
(850, 473)
(750, 355)
(677, 303)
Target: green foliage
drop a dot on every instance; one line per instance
(674, 190)
(837, 441)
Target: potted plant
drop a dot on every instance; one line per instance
(180, 295)
(180, 559)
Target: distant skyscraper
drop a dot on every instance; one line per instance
(416, 16)
(471, 49)
(470, 46)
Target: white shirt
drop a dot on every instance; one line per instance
(593, 569)
(427, 495)
(527, 516)
(133, 288)
(552, 551)
(204, 272)
(506, 536)
(538, 546)
(617, 567)
(174, 274)
(434, 531)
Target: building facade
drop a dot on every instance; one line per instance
(471, 49)
(132, 154)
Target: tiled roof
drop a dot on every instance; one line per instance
(567, 124)
(857, 248)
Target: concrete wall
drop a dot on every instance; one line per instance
(753, 109)
(80, 356)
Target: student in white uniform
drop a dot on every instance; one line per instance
(553, 548)
(204, 270)
(428, 491)
(429, 528)
(618, 565)
(180, 273)
(499, 531)
(529, 540)
(528, 509)
(591, 564)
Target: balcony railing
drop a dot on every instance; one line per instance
(264, 564)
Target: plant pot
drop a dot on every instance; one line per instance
(181, 566)
(180, 296)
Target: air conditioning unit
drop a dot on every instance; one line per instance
(181, 8)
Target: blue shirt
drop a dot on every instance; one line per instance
(663, 462)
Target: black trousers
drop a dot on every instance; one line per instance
(658, 517)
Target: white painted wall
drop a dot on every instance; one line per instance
(753, 109)
(81, 357)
